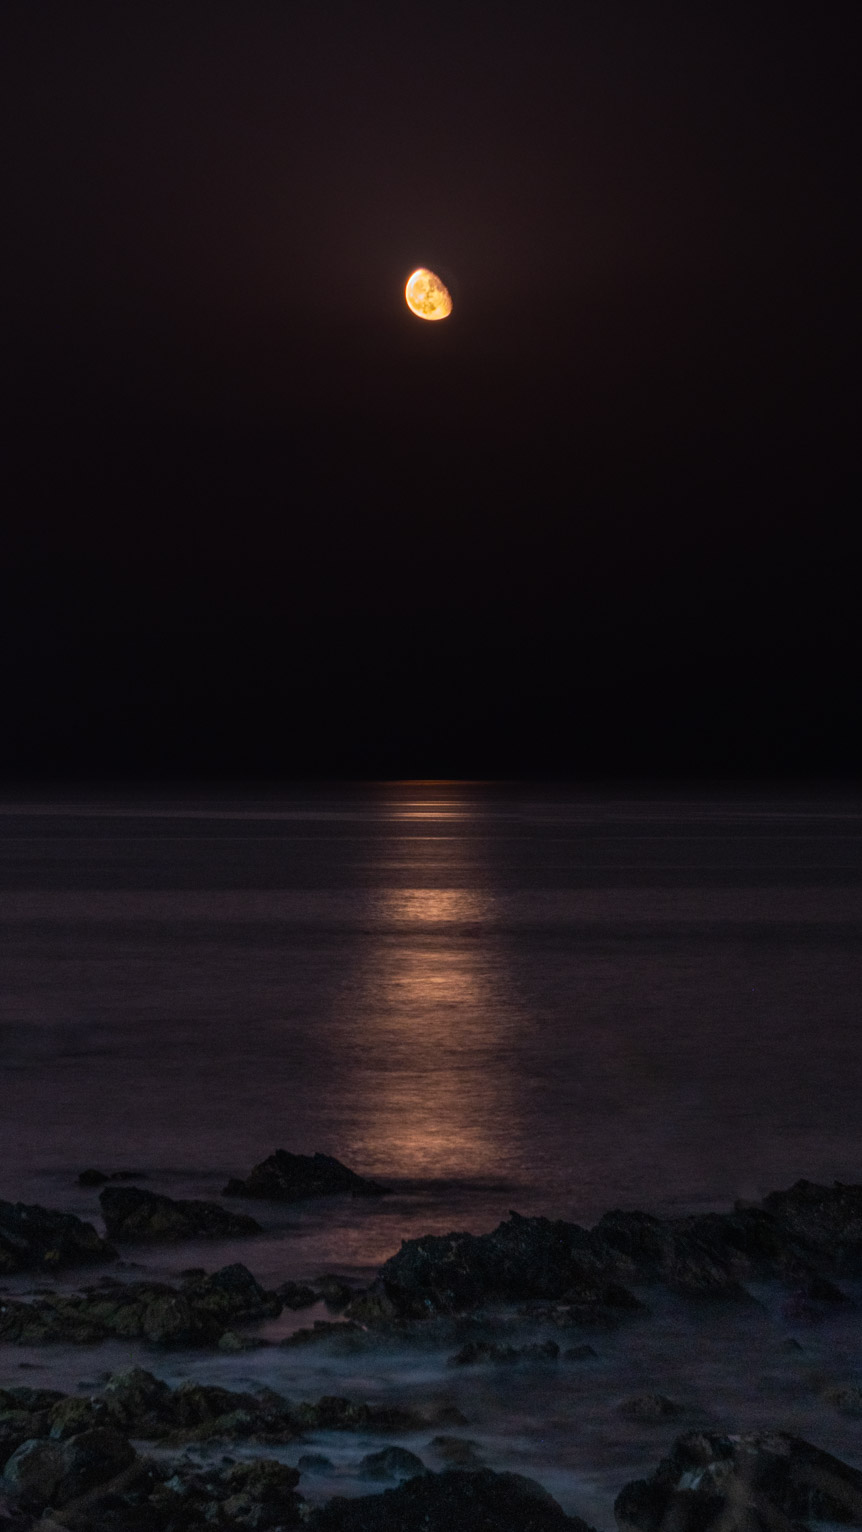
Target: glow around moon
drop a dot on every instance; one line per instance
(426, 295)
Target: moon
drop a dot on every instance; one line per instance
(427, 297)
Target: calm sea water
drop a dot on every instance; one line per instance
(488, 997)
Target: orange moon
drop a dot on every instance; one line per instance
(426, 295)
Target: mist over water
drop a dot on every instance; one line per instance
(488, 998)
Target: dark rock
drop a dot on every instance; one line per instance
(825, 1219)
(391, 1463)
(288, 1177)
(133, 1214)
(649, 1407)
(72, 1415)
(814, 1299)
(469, 1501)
(46, 1473)
(315, 1463)
(297, 1295)
(489, 1351)
(323, 1329)
(37, 1238)
(578, 1354)
(522, 1258)
(456, 1451)
(335, 1293)
(747, 1483)
(196, 1314)
(333, 1413)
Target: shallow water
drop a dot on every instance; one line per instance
(489, 998)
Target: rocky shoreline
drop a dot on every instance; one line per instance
(509, 1300)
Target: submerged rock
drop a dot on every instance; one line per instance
(288, 1177)
(456, 1500)
(133, 1214)
(34, 1238)
(744, 1483)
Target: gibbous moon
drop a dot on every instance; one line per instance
(426, 295)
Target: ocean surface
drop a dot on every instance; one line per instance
(489, 998)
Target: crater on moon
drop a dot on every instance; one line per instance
(427, 297)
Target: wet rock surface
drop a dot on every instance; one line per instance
(469, 1500)
(803, 1237)
(199, 1312)
(131, 1214)
(285, 1177)
(391, 1463)
(34, 1238)
(745, 1483)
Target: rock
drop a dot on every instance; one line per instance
(649, 1407)
(46, 1473)
(72, 1415)
(815, 1299)
(288, 1177)
(315, 1463)
(233, 1343)
(101, 1177)
(198, 1313)
(456, 1451)
(34, 1238)
(335, 1293)
(453, 1501)
(323, 1329)
(133, 1214)
(297, 1295)
(138, 1402)
(489, 1351)
(578, 1354)
(847, 1398)
(334, 1413)
(825, 1219)
(522, 1258)
(391, 1463)
(742, 1484)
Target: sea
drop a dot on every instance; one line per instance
(487, 996)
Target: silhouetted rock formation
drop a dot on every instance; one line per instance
(102, 1177)
(132, 1214)
(801, 1236)
(294, 1177)
(747, 1483)
(33, 1238)
(468, 1500)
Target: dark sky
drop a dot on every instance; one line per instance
(261, 522)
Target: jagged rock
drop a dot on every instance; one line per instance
(489, 1351)
(823, 1219)
(335, 1293)
(297, 1295)
(746, 1483)
(649, 1407)
(324, 1329)
(467, 1500)
(198, 1313)
(456, 1451)
(34, 1238)
(46, 1473)
(133, 1214)
(522, 1258)
(288, 1177)
(391, 1463)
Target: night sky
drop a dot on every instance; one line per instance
(261, 523)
